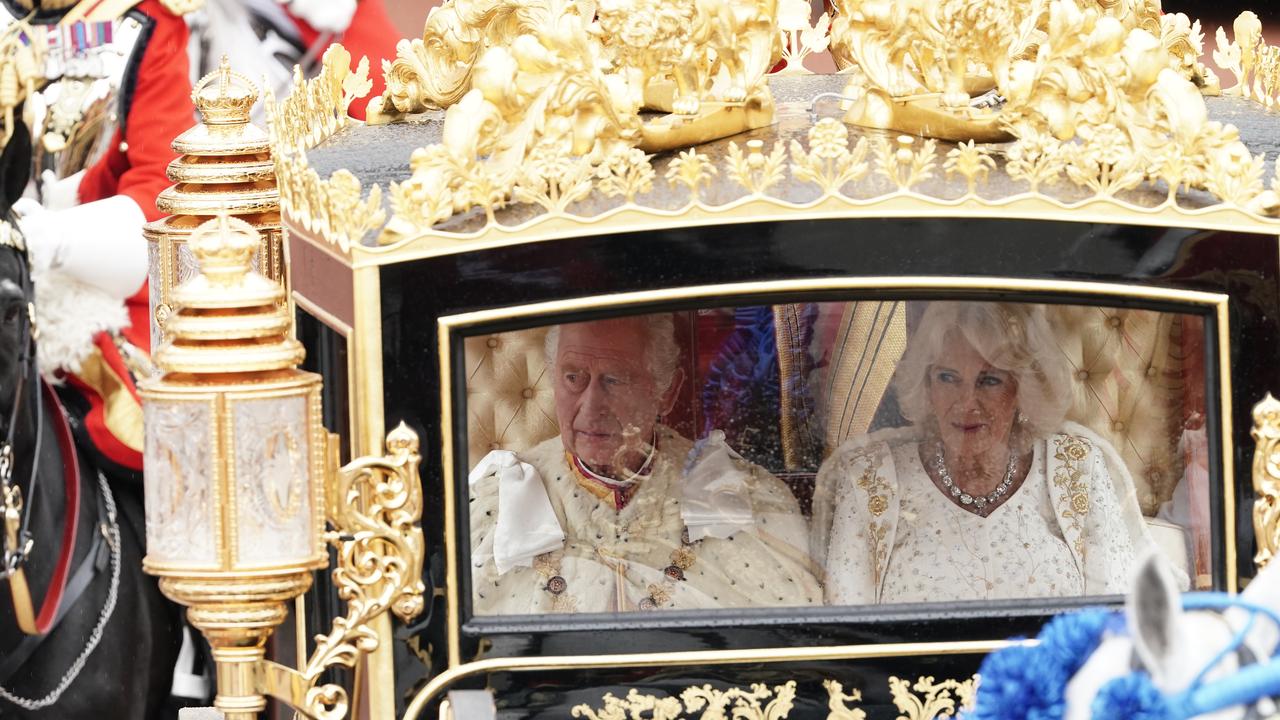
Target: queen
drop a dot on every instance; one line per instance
(989, 493)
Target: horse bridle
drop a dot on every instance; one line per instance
(17, 518)
(18, 539)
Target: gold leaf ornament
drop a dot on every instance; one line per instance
(691, 170)
(829, 162)
(971, 162)
(1035, 158)
(627, 173)
(754, 170)
(902, 164)
(1266, 479)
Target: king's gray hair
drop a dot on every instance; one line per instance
(661, 351)
(1014, 337)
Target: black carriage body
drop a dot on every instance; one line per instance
(388, 316)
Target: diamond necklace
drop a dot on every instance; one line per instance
(974, 503)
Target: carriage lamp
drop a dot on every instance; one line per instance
(242, 494)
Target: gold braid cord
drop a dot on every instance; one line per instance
(1266, 480)
(374, 509)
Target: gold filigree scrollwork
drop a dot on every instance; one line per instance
(838, 702)
(759, 702)
(1266, 480)
(930, 700)
(374, 508)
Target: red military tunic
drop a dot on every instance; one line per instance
(157, 108)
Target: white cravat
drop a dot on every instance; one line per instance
(527, 525)
(715, 495)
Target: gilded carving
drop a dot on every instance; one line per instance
(691, 170)
(928, 699)
(1184, 42)
(759, 702)
(903, 165)
(546, 102)
(837, 702)
(1240, 56)
(925, 699)
(829, 163)
(380, 552)
(1266, 479)
(754, 170)
(971, 162)
(800, 38)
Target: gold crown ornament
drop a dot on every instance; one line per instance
(225, 167)
(224, 97)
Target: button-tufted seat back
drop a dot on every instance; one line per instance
(1128, 387)
(510, 405)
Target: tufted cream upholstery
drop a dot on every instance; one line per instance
(1128, 387)
(510, 405)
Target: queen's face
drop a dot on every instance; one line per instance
(973, 402)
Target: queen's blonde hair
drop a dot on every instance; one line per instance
(1013, 337)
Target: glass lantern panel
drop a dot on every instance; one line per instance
(179, 485)
(273, 482)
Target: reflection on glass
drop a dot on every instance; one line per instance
(989, 492)
(620, 512)
(847, 452)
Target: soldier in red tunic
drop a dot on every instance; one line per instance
(107, 91)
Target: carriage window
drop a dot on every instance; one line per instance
(843, 453)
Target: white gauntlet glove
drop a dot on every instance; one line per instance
(98, 243)
(332, 16)
(60, 194)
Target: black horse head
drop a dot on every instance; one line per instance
(15, 285)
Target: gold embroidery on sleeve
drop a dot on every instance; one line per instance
(1072, 452)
